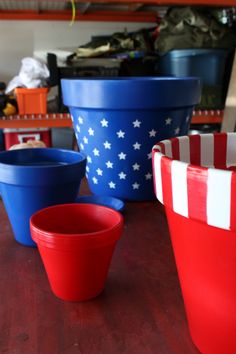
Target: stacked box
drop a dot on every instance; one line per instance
(18, 136)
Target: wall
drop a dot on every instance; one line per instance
(27, 38)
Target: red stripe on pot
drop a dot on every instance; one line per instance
(220, 147)
(175, 148)
(195, 148)
(197, 193)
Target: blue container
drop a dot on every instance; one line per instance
(212, 66)
(118, 120)
(32, 179)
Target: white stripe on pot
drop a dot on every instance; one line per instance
(179, 187)
(218, 198)
(207, 150)
(184, 151)
(168, 148)
(231, 150)
(158, 177)
(156, 147)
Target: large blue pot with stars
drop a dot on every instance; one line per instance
(118, 120)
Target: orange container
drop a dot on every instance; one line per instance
(32, 100)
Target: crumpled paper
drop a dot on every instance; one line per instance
(33, 73)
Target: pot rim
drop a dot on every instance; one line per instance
(204, 191)
(124, 93)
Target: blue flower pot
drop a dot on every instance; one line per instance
(32, 179)
(118, 120)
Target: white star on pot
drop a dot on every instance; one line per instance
(81, 146)
(177, 131)
(112, 185)
(168, 121)
(104, 122)
(91, 131)
(78, 128)
(107, 145)
(85, 140)
(99, 172)
(136, 146)
(120, 134)
(136, 123)
(135, 185)
(122, 156)
(136, 166)
(109, 164)
(96, 152)
(80, 119)
(89, 159)
(148, 175)
(149, 155)
(122, 175)
(152, 133)
(87, 168)
(95, 181)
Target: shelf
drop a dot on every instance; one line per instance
(57, 120)
(53, 120)
(207, 116)
(96, 10)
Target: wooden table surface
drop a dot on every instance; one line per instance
(140, 311)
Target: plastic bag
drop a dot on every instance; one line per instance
(33, 73)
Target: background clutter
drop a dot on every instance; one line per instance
(33, 74)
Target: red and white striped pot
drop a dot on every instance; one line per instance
(195, 180)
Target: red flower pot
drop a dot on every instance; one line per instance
(76, 243)
(196, 182)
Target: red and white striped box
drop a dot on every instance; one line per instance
(18, 136)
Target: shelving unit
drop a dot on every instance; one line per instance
(53, 120)
(148, 11)
(56, 120)
(207, 117)
(95, 10)
(131, 11)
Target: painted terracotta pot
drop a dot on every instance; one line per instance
(195, 179)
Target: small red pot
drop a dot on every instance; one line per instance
(76, 243)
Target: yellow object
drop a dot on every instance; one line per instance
(9, 110)
(73, 12)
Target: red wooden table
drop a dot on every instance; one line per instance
(140, 311)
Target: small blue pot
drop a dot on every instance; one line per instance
(118, 120)
(32, 179)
